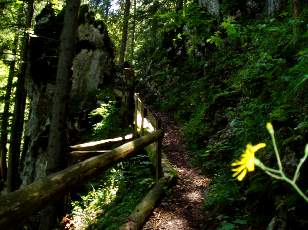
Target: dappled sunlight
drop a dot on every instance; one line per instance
(92, 205)
(183, 209)
(194, 196)
(193, 185)
(173, 219)
(3, 71)
(147, 125)
(94, 143)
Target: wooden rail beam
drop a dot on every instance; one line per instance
(23, 203)
(87, 154)
(139, 215)
(137, 218)
(97, 145)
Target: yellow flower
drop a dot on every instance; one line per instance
(246, 163)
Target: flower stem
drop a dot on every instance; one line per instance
(265, 168)
(276, 153)
(281, 176)
(294, 185)
(301, 162)
(274, 175)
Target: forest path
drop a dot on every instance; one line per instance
(182, 209)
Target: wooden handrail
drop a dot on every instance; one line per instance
(145, 121)
(98, 145)
(23, 203)
(87, 154)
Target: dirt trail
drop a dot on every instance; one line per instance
(182, 210)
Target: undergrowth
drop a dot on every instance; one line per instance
(236, 76)
(106, 202)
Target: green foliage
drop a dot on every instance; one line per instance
(98, 195)
(215, 39)
(229, 25)
(107, 114)
(195, 128)
(224, 201)
(106, 202)
(235, 75)
(228, 224)
(222, 193)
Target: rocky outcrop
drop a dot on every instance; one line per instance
(212, 6)
(92, 65)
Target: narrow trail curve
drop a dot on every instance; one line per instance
(182, 210)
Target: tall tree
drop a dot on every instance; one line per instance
(57, 134)
(296, 8)
(19, 109)
(124, 31)
(6, 113)
(133, 30)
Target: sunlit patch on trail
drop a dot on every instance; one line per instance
(171, 220)
(194, 196)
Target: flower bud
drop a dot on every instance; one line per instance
(270, 128)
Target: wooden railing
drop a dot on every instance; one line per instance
(18, 205)
(24, 202)
(146, 122)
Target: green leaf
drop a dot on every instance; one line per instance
(226, 226)
(239, 221)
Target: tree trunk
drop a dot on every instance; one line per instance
(296, 13)
(179, 5)
(57, 132)
(133, 30)
(296, 8)
(19, 109)
(61, 96)
(127, 102)
(30, 199)
(124, 32)
(6, 114)
(272, 6)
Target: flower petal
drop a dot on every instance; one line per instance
(239, 169)
(246, 162)
(235, 174)
(255, 148)
(242, 175)
(236, 163)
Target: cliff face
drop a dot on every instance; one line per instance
(92, 65)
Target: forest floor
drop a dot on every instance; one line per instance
(183, 208)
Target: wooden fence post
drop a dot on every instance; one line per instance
(145, 113)
(142, 117)
(136, 95)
